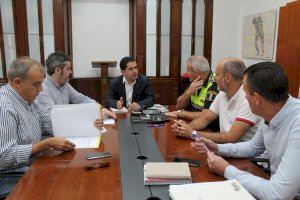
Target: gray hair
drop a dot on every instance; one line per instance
(199, 63)
(235, 67)
(56, 59)
(19, 68)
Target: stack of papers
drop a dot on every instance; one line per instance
(75, 122)
(166, 173)
(159, 107)
(222, 190)
(123, 110)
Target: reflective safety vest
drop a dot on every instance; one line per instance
(199, 97)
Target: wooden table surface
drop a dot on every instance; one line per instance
(56, 175)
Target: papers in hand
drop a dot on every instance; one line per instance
(123, 110)
(109, 121)
(165, 173)
(222, 190)
(76, 121)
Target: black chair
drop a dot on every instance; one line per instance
(8, 181)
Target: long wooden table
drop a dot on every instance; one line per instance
(56, 175)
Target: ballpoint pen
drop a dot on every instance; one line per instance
(196, 135)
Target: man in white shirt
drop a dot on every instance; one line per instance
(237, 122)
(266, 88)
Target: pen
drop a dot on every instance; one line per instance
(196, 135)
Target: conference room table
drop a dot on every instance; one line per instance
(61, 175)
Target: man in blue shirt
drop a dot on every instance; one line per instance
(266, 88)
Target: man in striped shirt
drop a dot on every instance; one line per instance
(58, 91)
(22, 121)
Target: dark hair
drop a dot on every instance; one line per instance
(268, 80)
(124, 62)
(56, 59)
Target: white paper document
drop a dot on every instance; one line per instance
(159, 107)
(85, 142)
(109, 121)
(222, 190)
(123, 110)
(75, 120)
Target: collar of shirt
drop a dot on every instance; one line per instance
(236, 96)
(126, 82)
(282, 114)
(49, 81)
(17, 96)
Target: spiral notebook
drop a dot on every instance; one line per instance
(166, 173)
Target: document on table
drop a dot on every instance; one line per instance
(76, 121)
(123, 110)
(109, 121)
(221, 190)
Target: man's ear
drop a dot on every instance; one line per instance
(57, 70)
(227, 77)
(122, 72)
(17, 82)
(257, 98)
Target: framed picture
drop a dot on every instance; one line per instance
(258, 35)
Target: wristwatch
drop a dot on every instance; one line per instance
(178, 112)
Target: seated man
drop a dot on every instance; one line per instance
(57, 90)
(129, 90)
(237, 122)
(22, 120)
(201, 92)
(266, 88)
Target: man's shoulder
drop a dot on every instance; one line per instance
(5, 101)
(117, 79)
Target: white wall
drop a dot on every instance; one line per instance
(228, 26)
(100, 30)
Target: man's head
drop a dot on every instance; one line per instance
(59, 67)
(129, 69)
(229, 70)
(197, 66)
(265, 82)
(26, 75)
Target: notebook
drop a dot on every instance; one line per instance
(123, 110)
(166, 173)
(222, 190)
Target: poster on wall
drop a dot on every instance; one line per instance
(258, 35)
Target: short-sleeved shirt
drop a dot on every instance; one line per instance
(235, 109)
(209, 91)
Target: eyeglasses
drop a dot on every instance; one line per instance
(96, 165)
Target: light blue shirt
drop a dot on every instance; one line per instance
(281, 139)
(54, 94)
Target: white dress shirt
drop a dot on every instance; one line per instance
(129, 91)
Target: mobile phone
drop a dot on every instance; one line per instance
(191, 162)
(97, 155)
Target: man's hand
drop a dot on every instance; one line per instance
(201, 143)
(181, 129)
(134, 107)
(120, 103)
(171, 114)
(60, 144)
(195, 85)
(105, 113)
(98, 123)
(216, 163)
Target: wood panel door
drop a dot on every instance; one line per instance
(288, 44)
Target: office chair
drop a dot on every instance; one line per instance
(8, 180)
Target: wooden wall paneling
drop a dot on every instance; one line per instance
(131, 27)
(2, 51)
(208, 25)
(288, 44)
(140, 33)
(282, 35)
(194, 2)
(165, 90)
(68, 9)
(90, 87)
(158, 38)
(41, 31)
(21, 29)
(62, 23)
(175, 38)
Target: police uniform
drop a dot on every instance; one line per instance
(202, 98)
